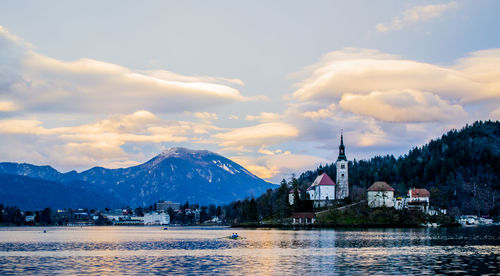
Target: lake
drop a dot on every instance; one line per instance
(197, 250)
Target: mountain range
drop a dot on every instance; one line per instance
(177, 174)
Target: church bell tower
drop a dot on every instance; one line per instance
(342, 172)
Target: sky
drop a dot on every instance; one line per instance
(268, 84)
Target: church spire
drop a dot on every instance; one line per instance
(342, 147)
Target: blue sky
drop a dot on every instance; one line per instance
(268, 85)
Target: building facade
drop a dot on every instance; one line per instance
(380, 194)
(418, 199)
(291, 196)
(322, 191)
(342, 172)
(323, 188)
(155, 218)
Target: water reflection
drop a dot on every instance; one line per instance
(151, 250)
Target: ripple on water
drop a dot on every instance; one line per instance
(136, 250)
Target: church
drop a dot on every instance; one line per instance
(324, 190)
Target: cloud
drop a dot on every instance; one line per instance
(402, 106)
(44, 84)
(206, 116)
(101, 142)
(353, 76)
(369, 71)
(323, 113)
(274, 167)
(414, 15)
(167, 75)
(8, 106)
(257, 135)
(482, 67)
(264, 117)
(264, 150)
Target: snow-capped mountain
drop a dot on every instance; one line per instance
(177, 174)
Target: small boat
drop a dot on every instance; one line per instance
(236, 238)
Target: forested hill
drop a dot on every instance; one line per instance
(461, 170)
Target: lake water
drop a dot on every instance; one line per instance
(191, 250)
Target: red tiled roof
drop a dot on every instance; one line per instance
(323, 179)
(419, 193)
(304, 215)
(380, 186)
(292, 190)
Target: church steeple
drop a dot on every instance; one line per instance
(342, 147)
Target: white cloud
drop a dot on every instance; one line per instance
(101, 142)
(323, 113)
(274, 167)
(205, 116)
(370, 71)
(414, 15)
(264, 117)
(167, 75)
(264, 150)
(360, 74)
(257, 135)
(402, 106)
(41, 83)
(8, 106)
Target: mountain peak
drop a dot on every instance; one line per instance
(180, 151)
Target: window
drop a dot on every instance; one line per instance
(342, 166)
(342, 175)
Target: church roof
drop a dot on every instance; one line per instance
(419, 193)
(342, 148)
(380, 186)
(323, 179)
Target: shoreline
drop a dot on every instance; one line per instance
(335, 226)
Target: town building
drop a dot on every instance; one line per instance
(291, 197)
(322, 191)
(342, 172)
(303, 218)
(380, 194)
(155, 218)
(164, 205)
(418, 199)
(30, 218)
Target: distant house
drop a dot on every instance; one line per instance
(322, 190)
(155, 218)
(418, 199)
(380, 194)
(304, 218)
(30, 218)
(291, 198)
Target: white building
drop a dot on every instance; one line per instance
(154, 218)
(322, 189)
(305, 218)
(418, 199)
(291, 197)
(342, 172)
(30, 218)
(380, 194)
